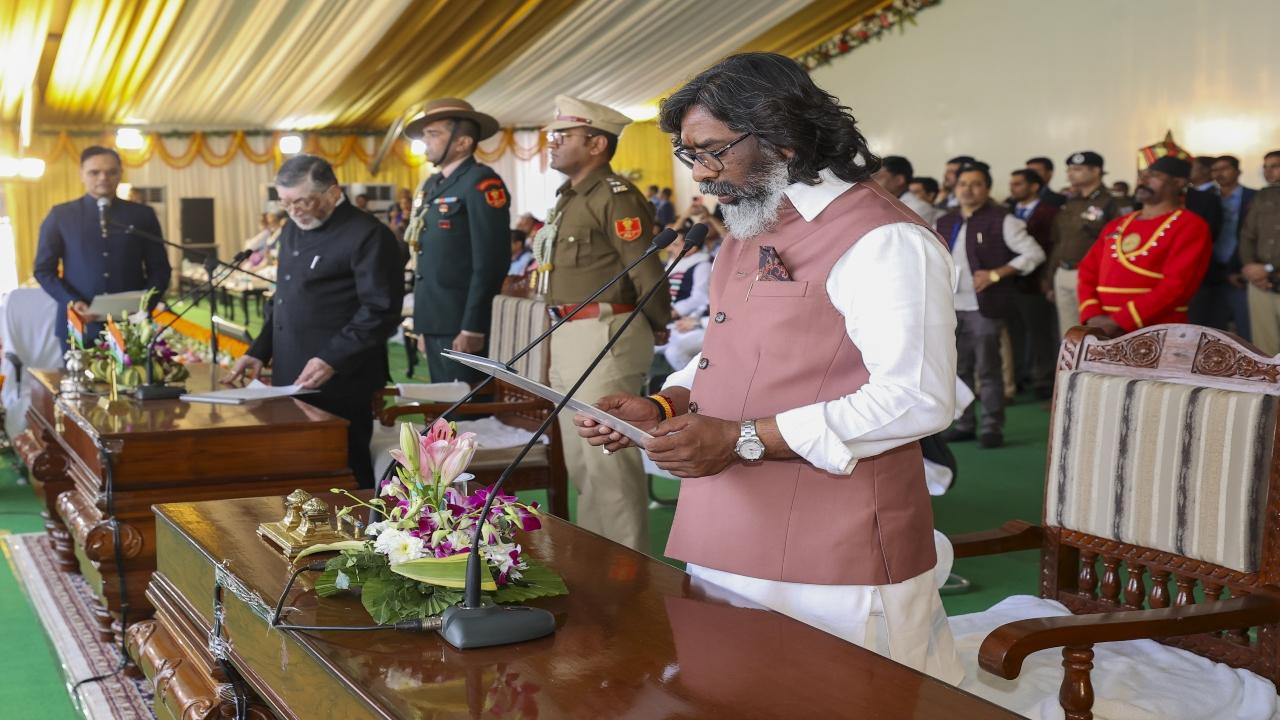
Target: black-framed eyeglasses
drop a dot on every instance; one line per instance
(706, 158)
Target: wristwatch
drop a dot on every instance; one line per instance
(749, 446)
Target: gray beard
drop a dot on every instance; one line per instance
(758, 213)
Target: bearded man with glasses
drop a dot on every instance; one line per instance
(601, 223)
(830, 353)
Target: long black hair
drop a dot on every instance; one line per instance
(772, 97)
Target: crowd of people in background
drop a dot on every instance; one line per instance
(1019, 262)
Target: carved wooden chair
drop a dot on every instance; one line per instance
(1163, 471)
(516, 321)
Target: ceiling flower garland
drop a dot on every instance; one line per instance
(873, 25)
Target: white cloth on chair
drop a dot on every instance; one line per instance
(1132, 680)
(26, 330)
(492, 435)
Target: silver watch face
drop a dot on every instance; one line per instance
(750, 449)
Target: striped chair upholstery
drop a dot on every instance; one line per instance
(1168, 466)
(516, 321)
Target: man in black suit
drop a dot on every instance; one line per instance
(87, 237)
(338, 298)
(1222, 301)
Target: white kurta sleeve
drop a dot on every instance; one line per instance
(1019, 241)
(894, 288)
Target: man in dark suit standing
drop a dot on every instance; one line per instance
(1033, 330)
(461, 228)
(96, 254)
(1222, 301)
(338, 297)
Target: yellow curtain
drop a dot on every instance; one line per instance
(644, 155)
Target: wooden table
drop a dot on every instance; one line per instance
(634, 640)
(161, 451)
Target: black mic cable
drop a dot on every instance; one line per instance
(693, 239)
(659, 242)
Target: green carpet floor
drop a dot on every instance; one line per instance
(993, 486)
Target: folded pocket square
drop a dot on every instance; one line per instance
(771, 267)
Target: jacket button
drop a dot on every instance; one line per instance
(106, 274)
(703, 363)
(720, 317)
(693, 407)
(105, 253)
(417, 277)
(295, 253)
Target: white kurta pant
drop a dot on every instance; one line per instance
(904, 622)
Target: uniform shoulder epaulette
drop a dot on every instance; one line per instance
(617, 184)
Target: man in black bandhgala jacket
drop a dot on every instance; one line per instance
(340, 283)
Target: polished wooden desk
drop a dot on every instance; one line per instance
(162, 451)
(635, 640)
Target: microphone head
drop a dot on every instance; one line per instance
(696, 236)
(103, 202)
(663, 239)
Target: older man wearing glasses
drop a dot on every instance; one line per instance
(601, 223)
(340, 283)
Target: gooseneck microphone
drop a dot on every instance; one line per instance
(659, 242)
(103, 204)
(474, 624)
(153, 390)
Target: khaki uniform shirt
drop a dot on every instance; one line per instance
(603, 224)
(1077, 225)
(1260, 231)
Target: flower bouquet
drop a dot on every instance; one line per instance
(125, 344)
(413, 562)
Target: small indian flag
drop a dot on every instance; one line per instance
(75, 327)
(115, 340)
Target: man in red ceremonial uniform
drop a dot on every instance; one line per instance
(1146, 265)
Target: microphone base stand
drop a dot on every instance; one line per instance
(488, 625)
(159, 392)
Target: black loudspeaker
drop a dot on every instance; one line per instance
(196, 218)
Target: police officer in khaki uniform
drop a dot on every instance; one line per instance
(601, 223)
(1075, 228)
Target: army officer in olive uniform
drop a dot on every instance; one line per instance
(339, 291)
(601, 223)
(462, 232)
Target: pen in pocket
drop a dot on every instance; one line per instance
(314, 260)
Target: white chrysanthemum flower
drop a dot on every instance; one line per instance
(375, 528)
(399, 546)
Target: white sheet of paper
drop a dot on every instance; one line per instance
(498, 370)
(115, 304)
(255, 390)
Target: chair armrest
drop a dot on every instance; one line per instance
(1003, 651)
(1013, 535)
(387, 416)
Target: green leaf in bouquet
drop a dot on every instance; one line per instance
(535, 581)
(439, 600)
(450, 572)
(330, 547)
(379, 598)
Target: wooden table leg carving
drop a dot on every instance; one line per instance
(50, 478)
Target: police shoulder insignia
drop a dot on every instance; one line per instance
(628, 229)
(495, 193)
(618, 186)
